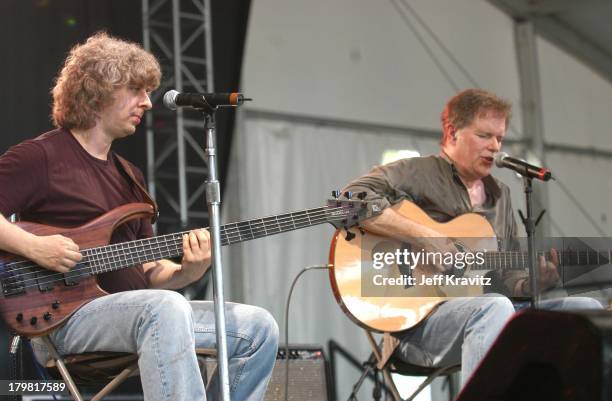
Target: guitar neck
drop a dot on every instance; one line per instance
(494, 260)
(119, 256)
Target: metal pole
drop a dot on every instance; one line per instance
(146, 41)
(180, 126)
(531, 245)
(531, 104)
(213, 200)
(210, 82)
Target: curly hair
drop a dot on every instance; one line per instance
(462, 108)
(92, 72)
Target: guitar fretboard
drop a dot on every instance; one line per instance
(520, 259)
(118, 256)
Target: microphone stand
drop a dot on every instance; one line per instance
(530, 225)
(213, 201)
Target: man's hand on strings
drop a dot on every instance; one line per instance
(54, 252)
(549, 273)
(196, 253)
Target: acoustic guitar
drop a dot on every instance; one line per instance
(399, 295)
(36, 300)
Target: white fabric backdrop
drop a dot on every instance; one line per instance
(358, 61)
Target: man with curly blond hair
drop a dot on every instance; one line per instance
(69, 176)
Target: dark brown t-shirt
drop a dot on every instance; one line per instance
(52, 180)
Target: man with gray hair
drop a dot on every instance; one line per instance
(457, 181)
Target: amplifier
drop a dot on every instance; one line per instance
(308, 374)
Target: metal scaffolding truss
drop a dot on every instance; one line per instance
(179, 34)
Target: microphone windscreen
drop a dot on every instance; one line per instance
(499, 158)
(170, 99)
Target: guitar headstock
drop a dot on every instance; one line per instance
(346, 211)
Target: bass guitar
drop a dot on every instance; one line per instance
(36, 300)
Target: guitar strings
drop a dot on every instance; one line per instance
(58, 277)
(41, 282)
(231, 234)
(53, 280)
(172, 241)
(175, 242)
(250, 223)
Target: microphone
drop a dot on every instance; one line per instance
(502, 159)
(202, 101)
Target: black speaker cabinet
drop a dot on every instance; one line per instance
(546, 356)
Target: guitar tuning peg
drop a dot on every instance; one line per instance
(361, 230)
(348, 194)
(349, 235)
(362, 195)
(335, 193)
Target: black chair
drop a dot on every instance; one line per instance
(388, 364)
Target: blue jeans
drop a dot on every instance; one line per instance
(164, 329)
(462, 330)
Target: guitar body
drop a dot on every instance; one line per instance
(34, 311)
(396, 308)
